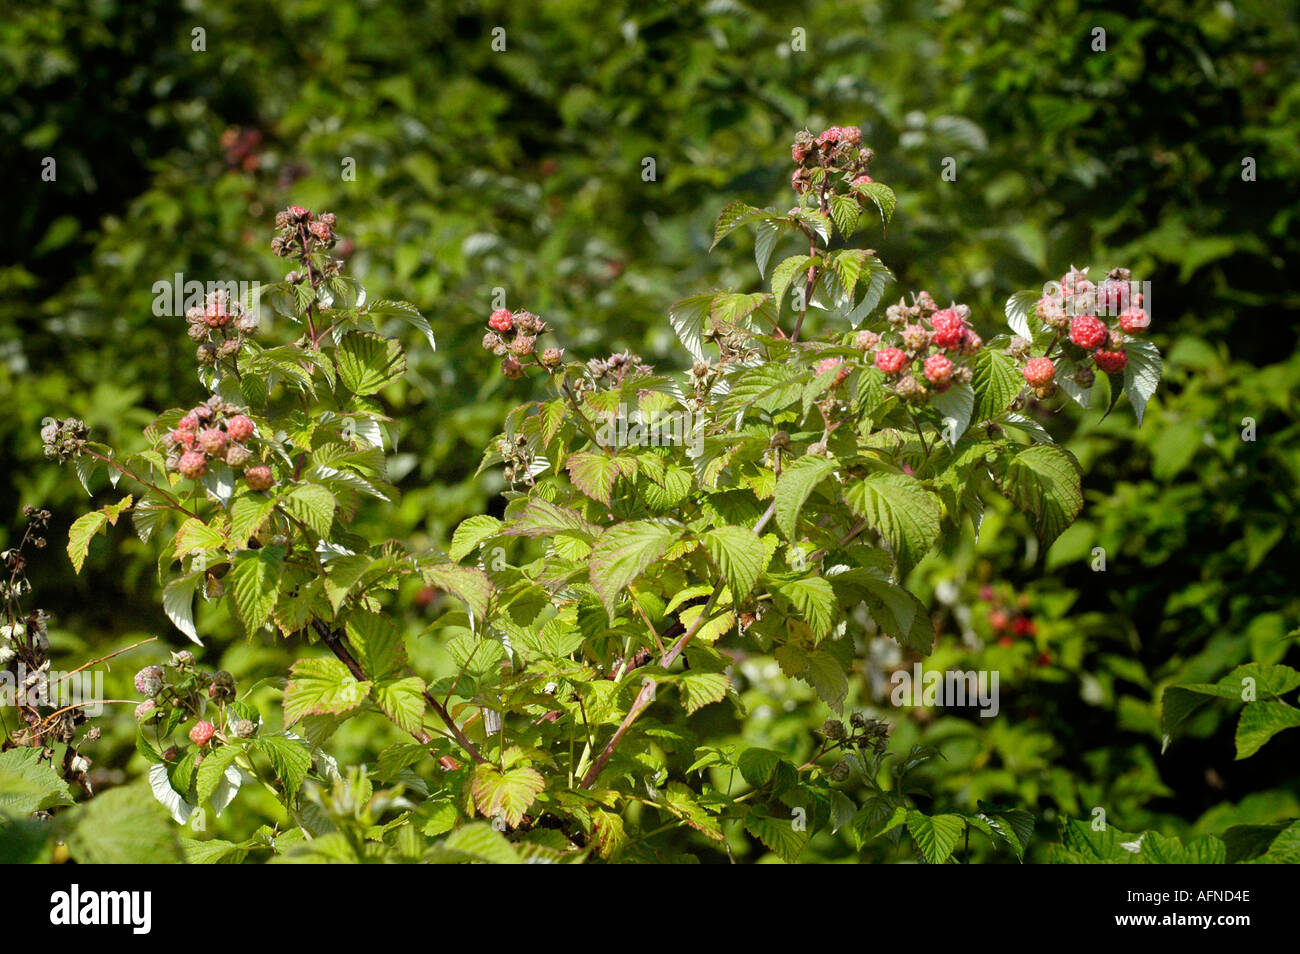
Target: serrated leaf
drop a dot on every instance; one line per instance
(1260, 721)
(784, 274)
(813, 599)
(247, 514)
(369, 362)
(402, 701)
(902, 511)
(594, 474)
(996, 383)
(254, 584)
(882, 195)
(793, 487)
(935, 835)
(1141, 375)
(178, 604)
(779, 835)
(470, 533)
(1017, 310)
(541, 518)
(321, 687)
(507, 794)
(621, 555)
(687, 319)
(122, 826)
(313, 505)
(29, 784)
(289, 758)
(1043, 481)
(468, 584)
(698, 689)
(740, 555)
(80, 534)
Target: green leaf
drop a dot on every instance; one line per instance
(247, 514)
(28, 784)
(698, 689)
(594, 474)
(377, 643)
(313, 505)
(178, 603)
(935, 835)
(1018, 308)
(779, 835)
(900, 615)
(882, 195)
(321, 687)
(793, 488)
(1260, 721)
(784, 274)
(541, 518)
(290, 759)
(254, 584)
(508, 794)
(468, 584)
(733, 217)
(846, 212)
(213, 770)
(956, 404)
(1043, 481)
(740, 555)
(403, 311)
(122, 826)
(621, 555)
(80, 534)
(813, 599)
(402, 701)
(1141, 374)
(195, 536)
(996, 383)
(369, 362)
(687, 318)
(902, 511)
(479, 843)
(470, 533)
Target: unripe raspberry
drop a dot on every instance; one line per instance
(1134, 321)
(197, 332)
(192, 464)
(1018, 347)
(238, 455)
(299, 213)
(830, 137)
(949, 329)
(840, 771)
(916, 337)
(866, 340)
(833, 729)
(890, 360)
(552, 358)
(1111, 362)
(1075, 282)
(1051, 312)
(212, 440)
(501, 320)
(202, 733)
(907, 387)
(926, 304)
(851, 135)
(149, 680)
(183, 437)
(863, 180)
(145, 710)
(801, 181)
(183, 658)
(239, 428)
(511, 368)
(321, 231)
(492, 342)
(963, 375)
(1088, 332)
(971, 343)
(938, 370)
(245, 729)
(188, 423)
(206, 354)
(523, 346)
(259, 477)
(216, 316)
(228, 347)
(1040, 372)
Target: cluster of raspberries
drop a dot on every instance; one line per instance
(215, 430)
(919, 354)
(838, 149)
(301, 232)
(186, 690)
(1078, 309)
(220, 326)
(612, 371)
(513, 335)
(63, 439)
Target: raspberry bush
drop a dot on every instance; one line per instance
(665, 538)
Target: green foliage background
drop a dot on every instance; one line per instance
(521, 170)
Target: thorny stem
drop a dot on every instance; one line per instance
(176, 504)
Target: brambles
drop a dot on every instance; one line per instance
(770, 502)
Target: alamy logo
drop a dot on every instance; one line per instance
(668, 428)
(76, 907)
(952, 690)
(174, 298)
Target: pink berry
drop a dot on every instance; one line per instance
(298, 212)
(831, 135)
(202, 733)
(1040, 372)
(1134, 321)
(187, 423)
(1112, 296)
(193, 464)
(1088, 332)
(949, 329)
(851, 135)
(1112, 362)
(145, 710)
(863, 180)
(212, 440)
(183, 437)
(938, 369)
(828, 364)
(890, 360)
(501, 321)
(149, 680)
(259, 477)
(239, 428)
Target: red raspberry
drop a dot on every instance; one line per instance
(1075, 282)
(1088, 332)
(212, 440)
(1040, 372)
(851, 135)
(501, 321)
(1111, 362)
(1134, 321)
(949, 329)
(188, 423)
(831, 135)
(998, 620)
(193, 464)
(1024, 626)
(938, 369)
(239, 428)
(828, 364)
(890, 360)
(259, 477)
(183, 437)
(298, 212)
(202, 733)
(1112, 297)
(798, 152)
(863, 180)
(321, 230)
